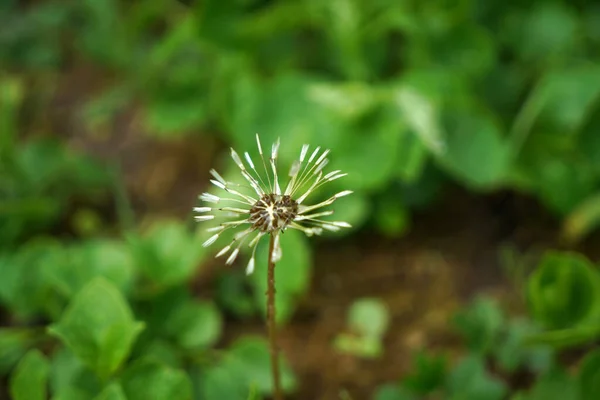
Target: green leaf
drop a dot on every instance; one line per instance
(476, 152)
(554, 385)
(368, 151)
(428, 373)
(515, 349)
(589, 376)
(70, 379)
(568, 96)
(564, 291)
(551, 30)
(102, 258)
(480, 324)
(393, 392)
(149, 380)
(14, 343)
(250, 358)
(29, 379)
(196, 324)
(24, 286)
(222, 382)
(565, 338)
(112, 392)
(391, 215)
(168, 254)
(292, 273)
(369, 317)
(470, 380)
(98, 327)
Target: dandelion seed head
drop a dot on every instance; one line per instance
(268, 210)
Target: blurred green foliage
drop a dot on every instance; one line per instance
(410, 95)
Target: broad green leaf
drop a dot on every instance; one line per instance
(475, 152)
(77, 265)
(369, 150)
(470, 380)
(196, 324)
(98, 327)
(168, 254)
(148, 380)
(29, 379)
(550, 29)
(564, 291)
(556, 384)
(112, 392)
(250, 358)
(70, 379)
(589, 376)
(568, 96)
(222, 382)
(25, 286)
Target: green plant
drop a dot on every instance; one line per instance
(269, 210)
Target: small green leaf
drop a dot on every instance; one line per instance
(556, 384)
(589, 376)
(98, 327)
(480, 324)
(29, 379)
(564, 291)
(393, 392)
(148, 380)
(428, 373)
(470, 380)
(250, 358)
(222, 382)
(112, 392)
(369, 317)
(195, 324)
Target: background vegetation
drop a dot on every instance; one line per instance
(112, 112)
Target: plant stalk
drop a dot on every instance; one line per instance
(271, 322)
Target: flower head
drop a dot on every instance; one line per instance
(268, 209)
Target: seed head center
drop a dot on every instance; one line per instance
(273, 212)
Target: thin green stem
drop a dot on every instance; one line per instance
(271, 322)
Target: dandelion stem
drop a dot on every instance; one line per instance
(271, 321)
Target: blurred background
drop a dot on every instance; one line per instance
(471, 135)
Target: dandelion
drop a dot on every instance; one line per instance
(269, 210)
(259, 207)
